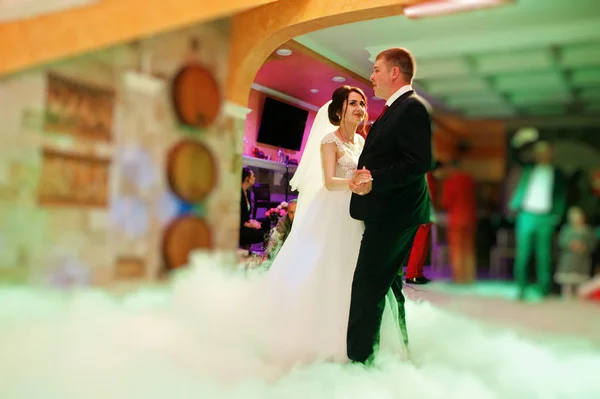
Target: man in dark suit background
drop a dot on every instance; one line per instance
(390, 196)
(251, 231)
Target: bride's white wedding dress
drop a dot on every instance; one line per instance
(309, 282)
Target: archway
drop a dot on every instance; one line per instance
(257, 33)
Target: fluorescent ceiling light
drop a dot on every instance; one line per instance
(443, 7)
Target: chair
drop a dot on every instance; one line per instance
(262, 198)
(504, 250)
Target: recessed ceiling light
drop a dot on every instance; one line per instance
(339, 79)
(284, 52)
(314, 90)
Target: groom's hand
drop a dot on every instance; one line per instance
(361, 182)
(362, 176)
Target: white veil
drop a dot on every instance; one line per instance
(308, 178)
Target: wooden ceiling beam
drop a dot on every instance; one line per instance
(39, 40)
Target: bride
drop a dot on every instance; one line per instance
(311, 278)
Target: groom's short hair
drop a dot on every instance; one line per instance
(402, 58)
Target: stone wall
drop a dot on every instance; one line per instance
(66, 243)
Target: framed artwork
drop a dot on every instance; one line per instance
(73, 180)
(79, 109)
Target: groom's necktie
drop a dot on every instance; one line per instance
(380, 115)
(382, 112)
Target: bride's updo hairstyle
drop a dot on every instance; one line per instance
(338, 98)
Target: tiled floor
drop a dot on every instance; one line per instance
(494, 302)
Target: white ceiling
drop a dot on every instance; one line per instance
(531, 58)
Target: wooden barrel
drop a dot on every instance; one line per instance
(181, 237)
(191, 170)
(196, 96)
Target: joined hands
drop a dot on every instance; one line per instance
(362, 182)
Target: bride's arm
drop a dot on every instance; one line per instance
(328, 162)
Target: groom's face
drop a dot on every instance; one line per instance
(381, 79)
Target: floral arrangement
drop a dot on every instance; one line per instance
(274, 214)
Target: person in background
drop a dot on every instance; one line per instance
(422, 242)
(577, 241)
(251, 231)
(539, 200)
(280, 233)
(460, 201)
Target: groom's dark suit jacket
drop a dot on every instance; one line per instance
(397, 151)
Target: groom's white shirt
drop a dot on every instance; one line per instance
(396, 95)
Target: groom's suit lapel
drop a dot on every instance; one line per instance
(382, 118)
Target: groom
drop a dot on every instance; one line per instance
(389, 195)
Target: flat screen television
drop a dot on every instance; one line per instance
(282, 125)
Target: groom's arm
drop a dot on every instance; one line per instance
(414, 138)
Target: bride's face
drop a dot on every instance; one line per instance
(354, 109)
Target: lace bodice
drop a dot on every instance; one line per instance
(346, 165)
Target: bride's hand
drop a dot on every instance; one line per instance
(362, 176)
(361, 188)
(365, 188)
(361, 181)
